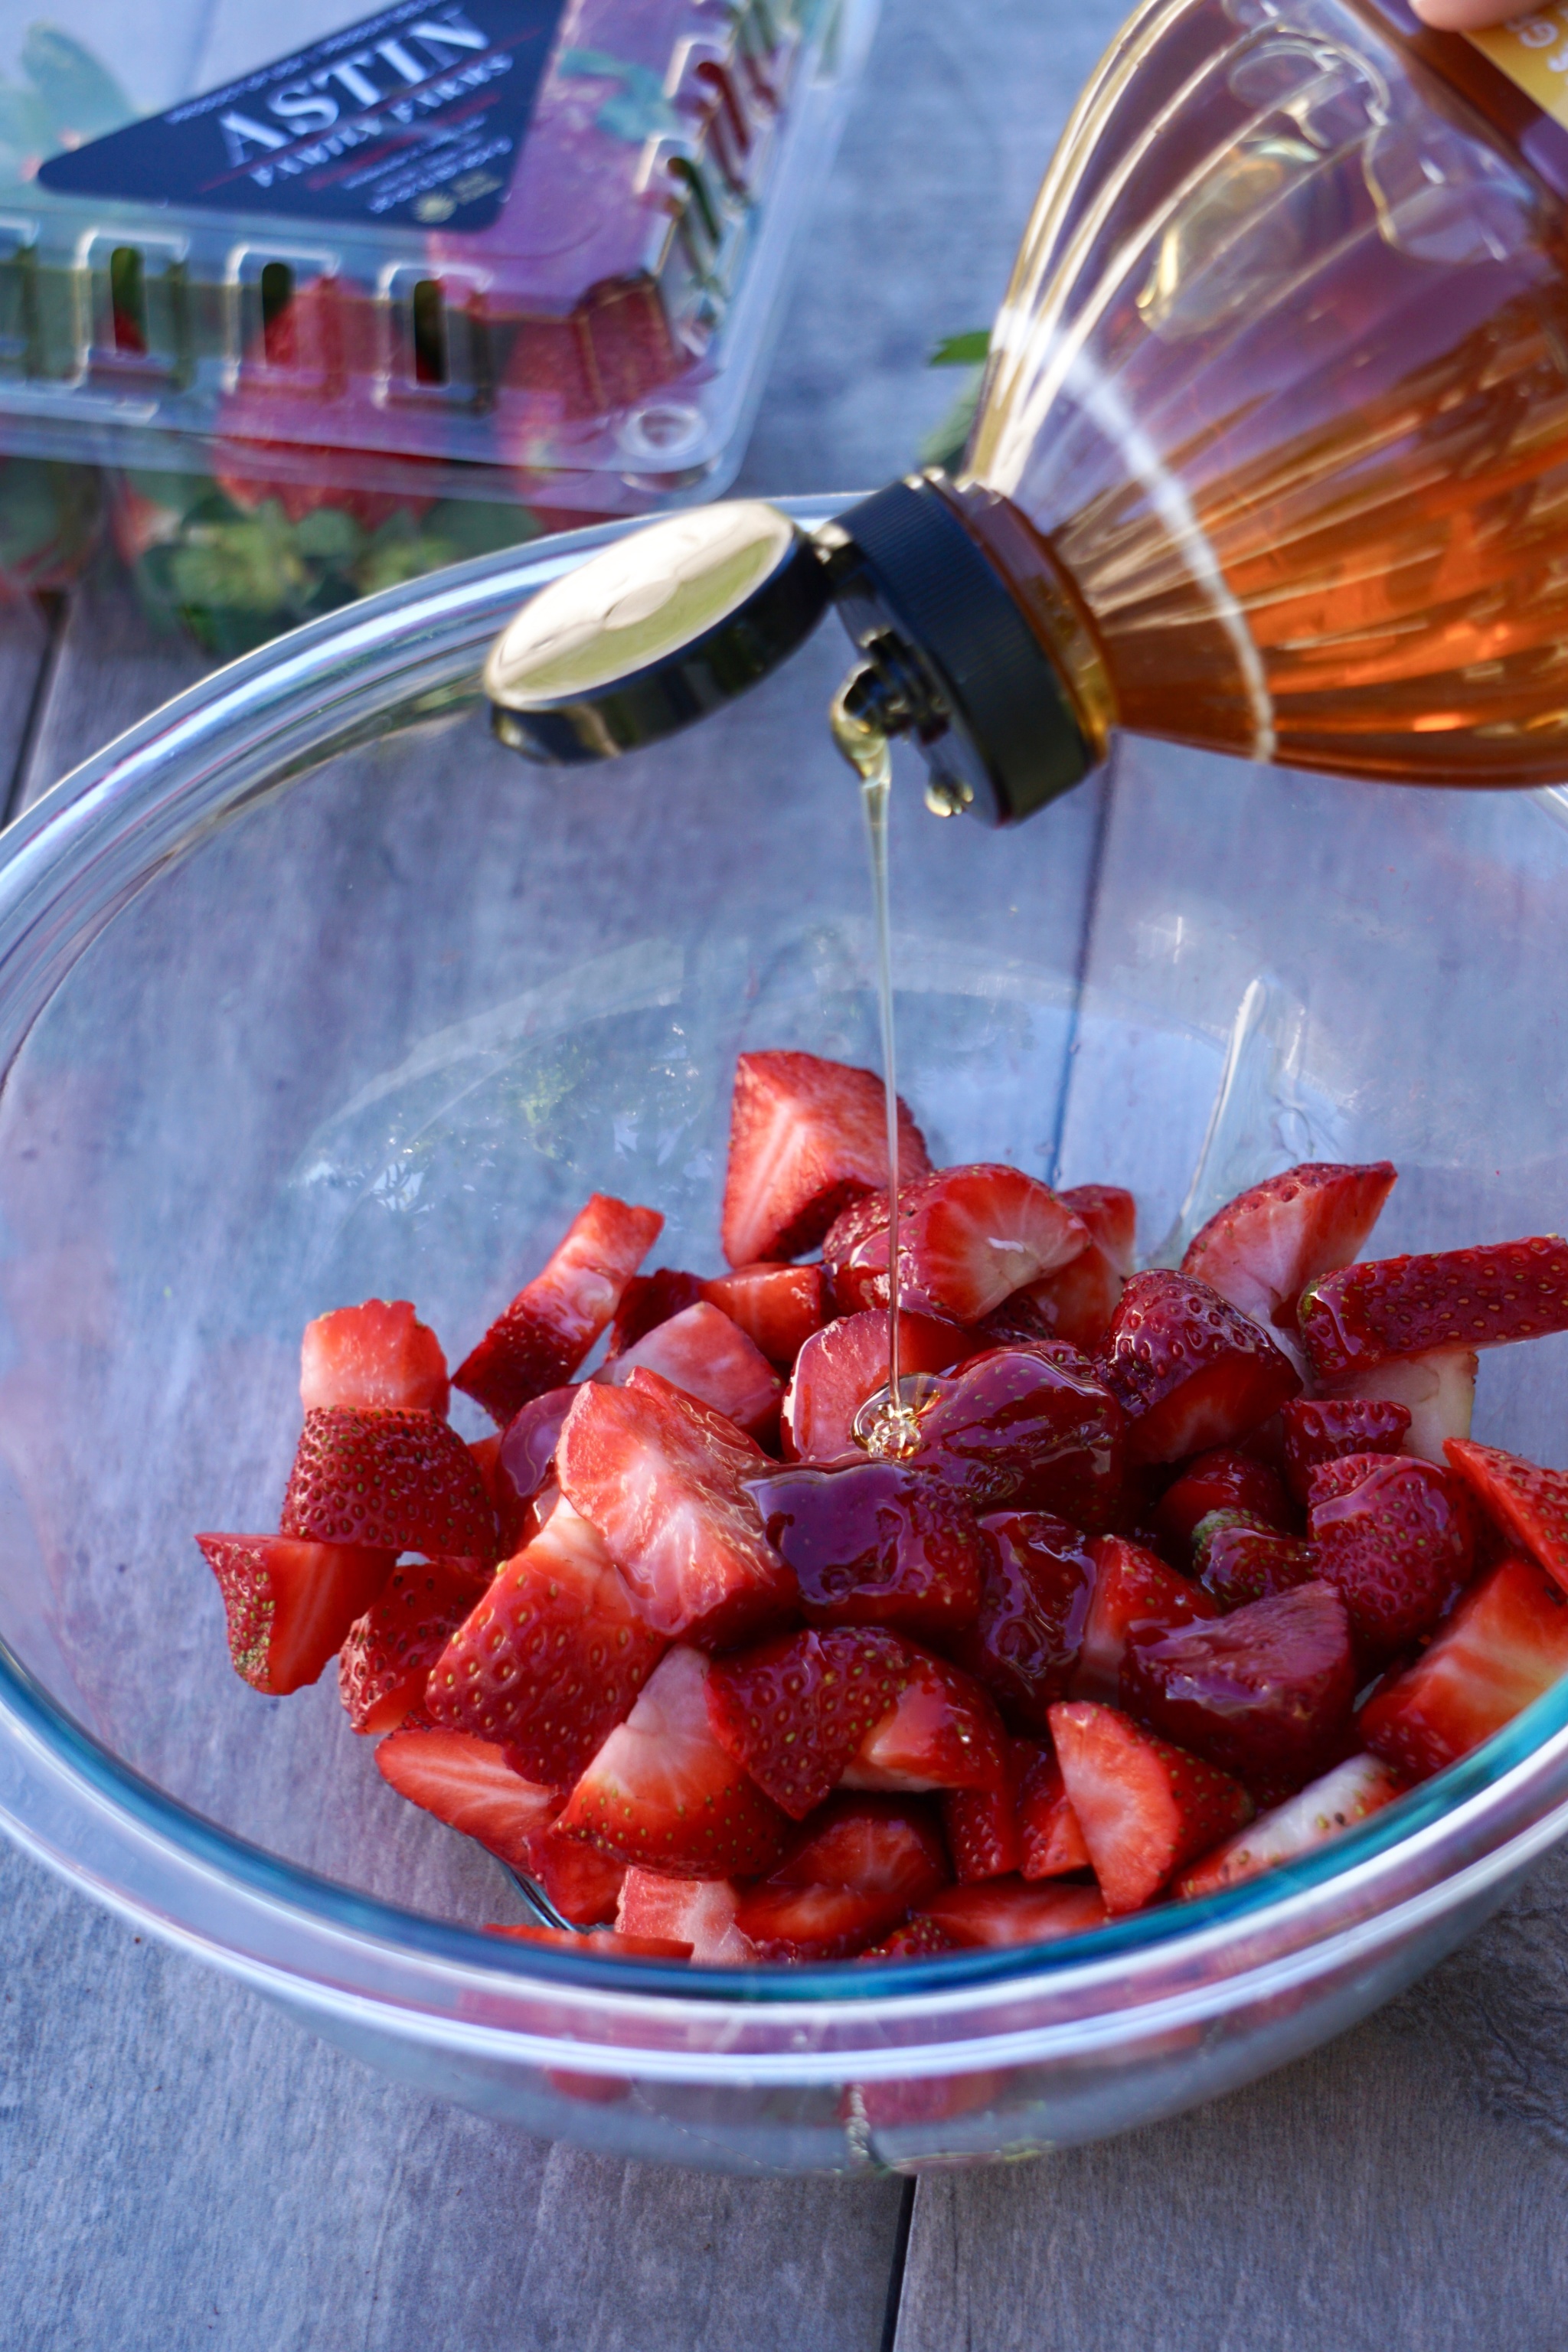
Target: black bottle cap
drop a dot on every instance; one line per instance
(951, 656)
(669, 623)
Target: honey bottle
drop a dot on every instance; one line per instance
(1271, 456)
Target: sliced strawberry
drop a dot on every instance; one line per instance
(793, 1711)
(1322, 1429)
(377, 1354)
(1454, 1298)
(862, 1866)
(1189, 1371)
(1265, 1693)
(980, 1826)
(704, 1355)
(1132, 1590)
(1505, 1644)
(525, 1460)
(1144, 1807)
(875, 1543)
(846, 1362)
(699, 1912)
(1528, 1503)
(292, 1605)
(1050, 1837)
(543, 1336)
(1262, 1249)
(855, 1253)
(583, 1884)
(777, 1307)
(941, 1732)
(1394, 1539)
(386, 1660)
(1221, 1480)
(552, 1655)
(399, 1481)
(662, 1792)
(922, 1939)
(1007, 1911)
(1033, 1428)
(470, 1785)
(1351, 1792)
(1238, 1561)
(1438, 1391)
(648, 1300)
(1077, 1303)
(806, 1138)
(602, 1943)
(664, 1480)
(1024, 1644)
(970, 1237)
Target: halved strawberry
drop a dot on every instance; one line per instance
(968, 1238)
(699, 1912)
(875, 1543)
(292, 1605)
(1077, 1303)
(399, 1481)
(806, 1138)
(525, 1460)
(1144, 1806)
(920, 1939)
(1132, 1588)
(1262, 1249)
(1351, 1792)
(661, 1790)
(1024, 1644)
(1394, 1539)
(664, 1480)
(648, 1300)
(793, 1711)
(862, 1866)
(1009, 1911)
(1322, 1429)
(1031, 1427)
(602, 1943)
(543, 1336)
(550, 1655)
(377, 1354)
(980, 1826)
(1188, 1369)
(1505, 1644)
(1454, 1298)
(1437, 1390)
(704, 1355)
(942, 1731)
(386, 1659)
(584, 1885)
(470, 1785)
(1221, 1480)
(1050, 1837)
(1265, 1693)
(1528, 1502)
(777, 1307)
(846, 1362)
(1238, 1560)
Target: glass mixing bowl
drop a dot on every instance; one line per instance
(309, 992)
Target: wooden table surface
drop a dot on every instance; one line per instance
(182, 2166)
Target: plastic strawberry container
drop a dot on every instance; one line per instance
(309, 991)
(292, 309)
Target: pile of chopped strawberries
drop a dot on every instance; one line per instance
(1187, 1570)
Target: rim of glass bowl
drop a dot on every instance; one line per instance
(70, 863)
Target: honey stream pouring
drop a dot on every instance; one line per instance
(1271, 456)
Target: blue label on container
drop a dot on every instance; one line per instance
(417, 115)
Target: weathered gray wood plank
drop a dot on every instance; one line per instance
(1406, 2187)
(29, 633)
(110, 666)
(179, 2164)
